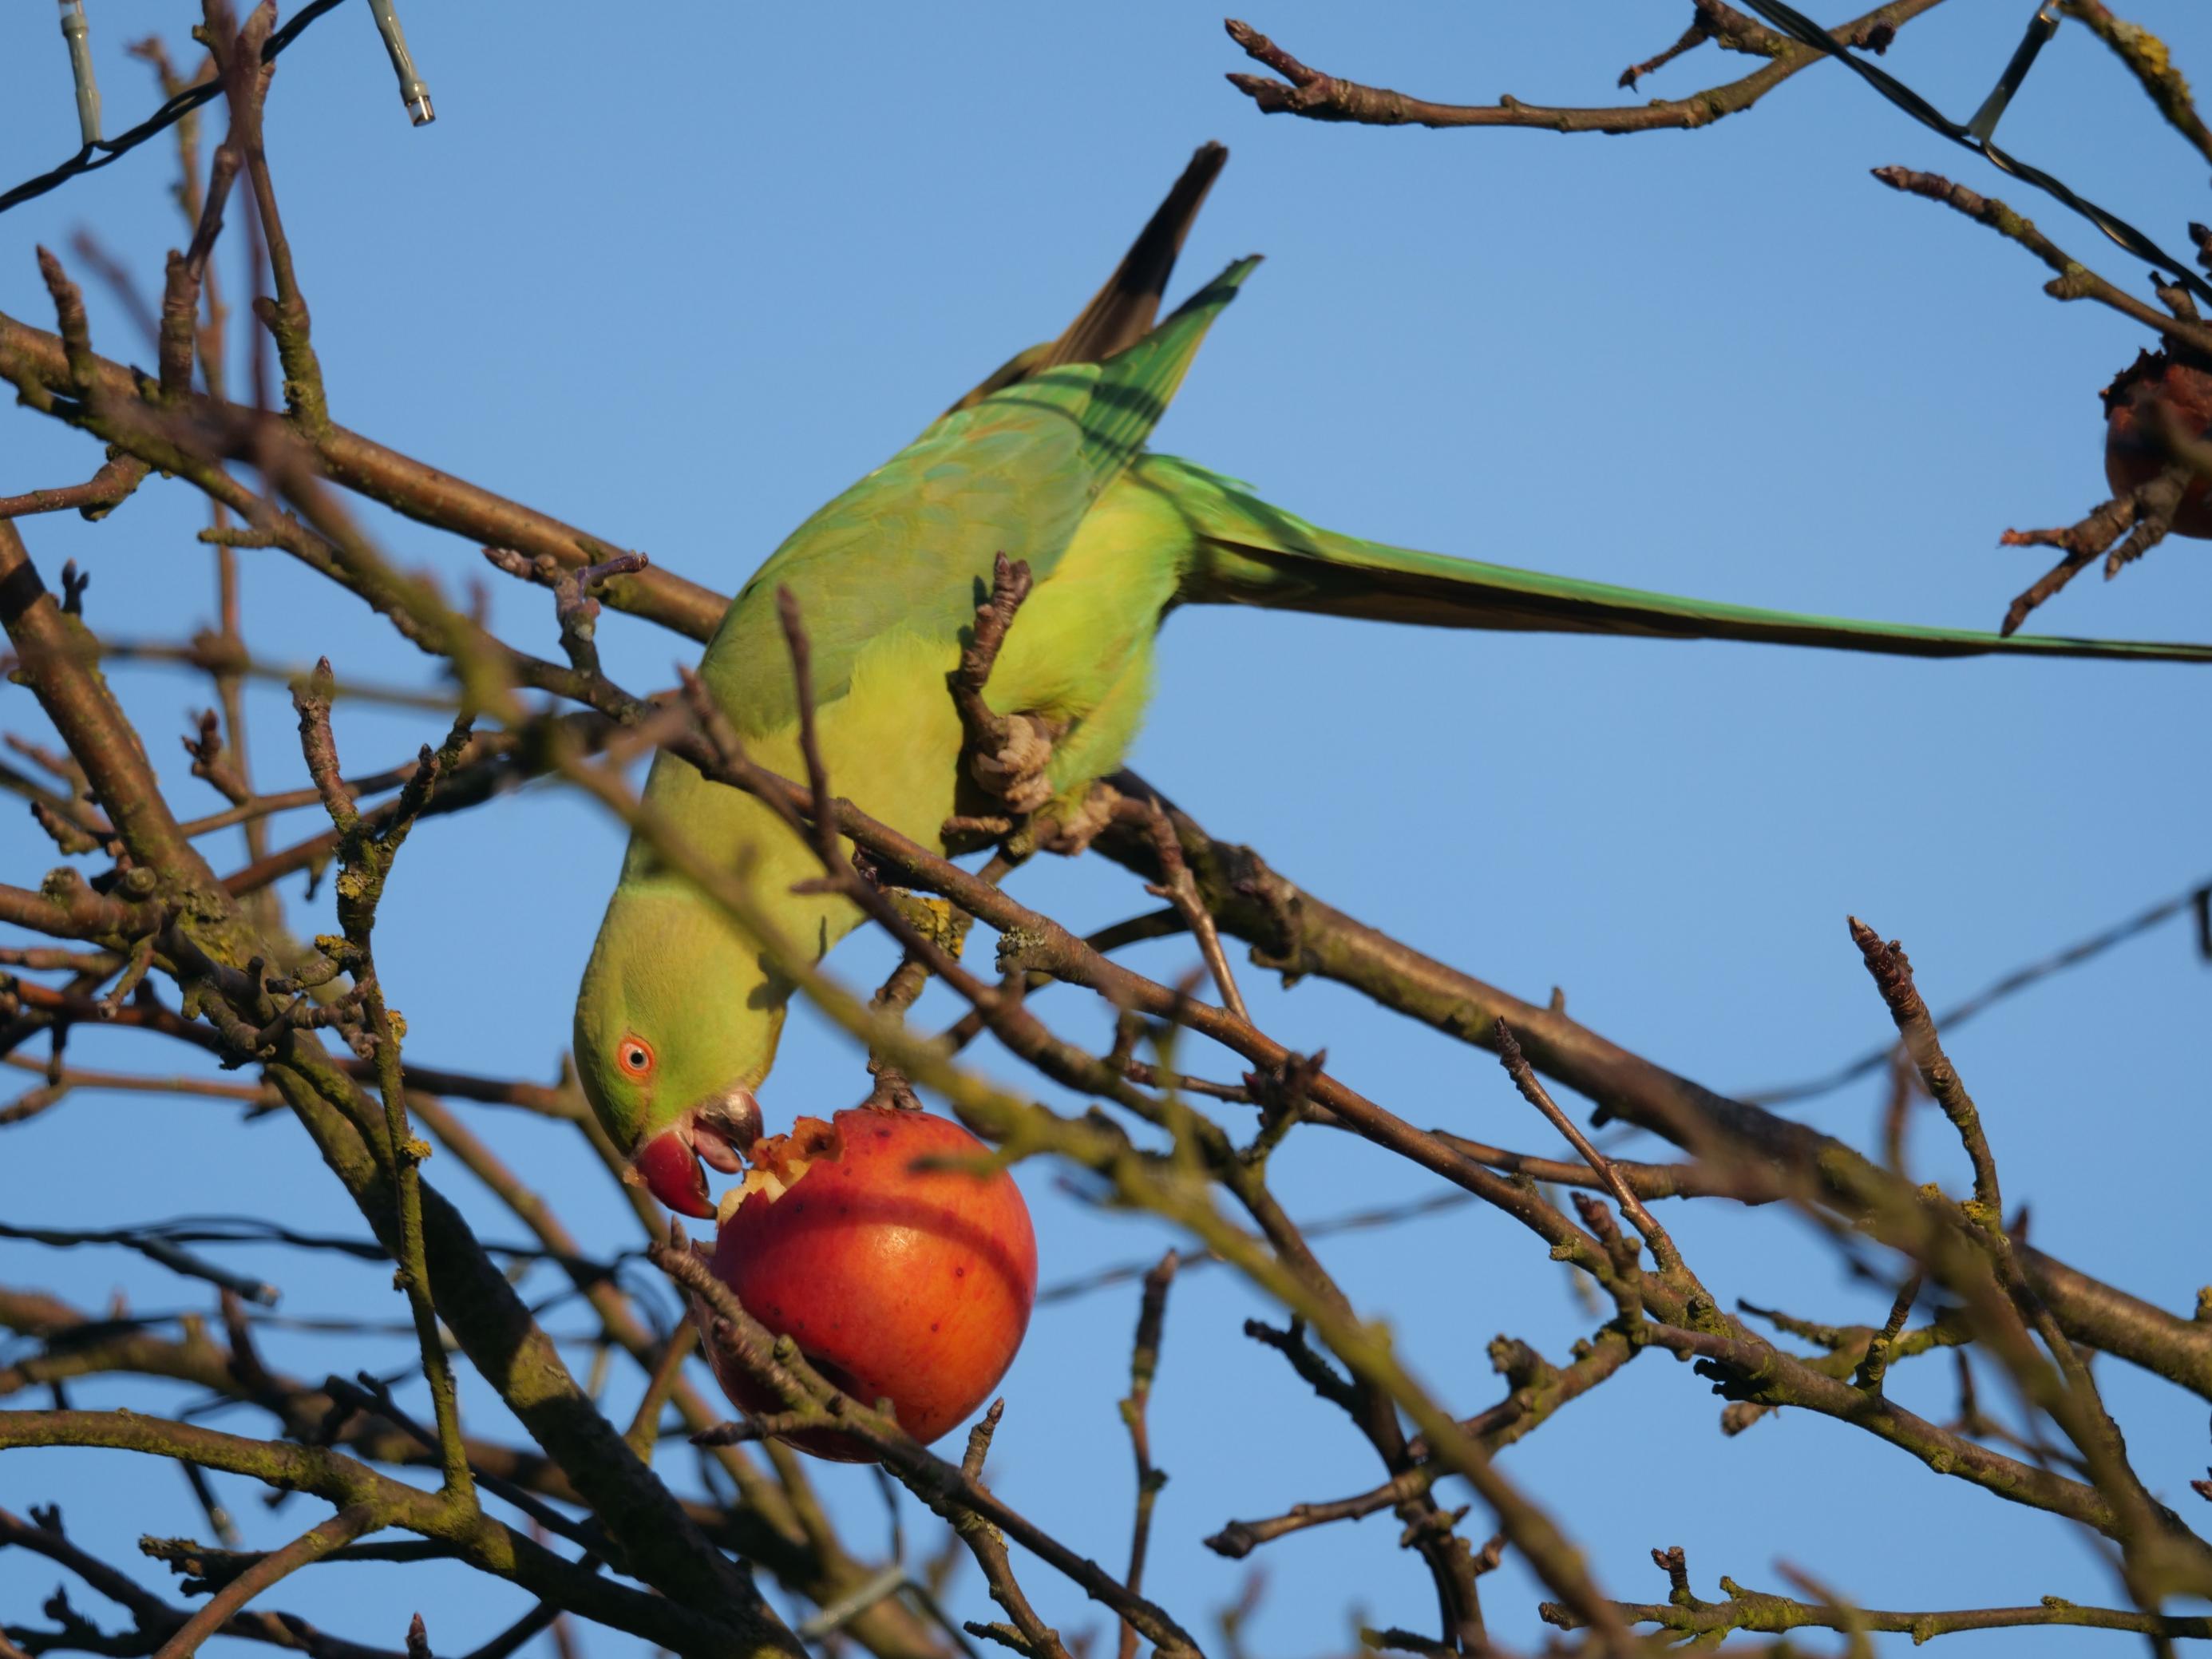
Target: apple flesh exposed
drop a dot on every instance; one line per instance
(909, 1284)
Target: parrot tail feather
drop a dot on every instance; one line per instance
(1122, 312)
(1245, 552)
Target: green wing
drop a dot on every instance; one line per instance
(1243, 551)
(910, 547)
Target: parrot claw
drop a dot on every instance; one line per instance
(1014, 771)
(1077, 825)
(1008, 755)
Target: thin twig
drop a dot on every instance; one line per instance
(1308, 93)
(308, 1547)
(1533, 1090)
(1143, 1365)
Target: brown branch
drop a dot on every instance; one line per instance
(2130, 1514)
(954, 1492)
(94, 499)
(1751, 1369)
(1737, 1355)
(821, 804)
(1882, 1346)
(253, 806)
(476, 1538)
(1538, 1391)
(61, 1008)
(1296, 933)
(219, 656)
(1143, 1365)
(245, 89)
(1176, 887)
(1029, 1634)
(1533, 1090)
(116, 770)
(2153, 1543)
(1005, 754)
(764, 1524)
(329, 1108)
(2149, 60)
(35, 359)
(212, 946)
(310, 1546)
(1032, 1128)
(494, 762)
(1755, 1612)
(667, 1371)
(2073, 280)
(1646, 1181)
(367, 860)
(1048, 945)
(1318, 97)
(1688, 41)
(153, 1619)
(178, 337)
(1893, 976)
(78, 1345)
(116, 275)
(575, 603)
(65, 908)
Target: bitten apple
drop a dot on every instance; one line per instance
(2157, 392)
(898, 1282)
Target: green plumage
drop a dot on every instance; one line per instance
(1049, 468)
(910, 546)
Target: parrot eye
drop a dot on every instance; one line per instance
(635, 1056)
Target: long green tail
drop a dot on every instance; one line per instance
(1247, 552)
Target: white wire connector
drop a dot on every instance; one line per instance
(412, 93)
(78, 33)
(2040, 28)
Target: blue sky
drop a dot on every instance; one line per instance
(681, 278)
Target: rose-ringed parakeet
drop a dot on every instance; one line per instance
(1045, 462)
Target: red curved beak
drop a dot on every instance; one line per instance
(670, 1169)
(716, 1131)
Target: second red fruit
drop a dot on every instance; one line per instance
(2159, 391)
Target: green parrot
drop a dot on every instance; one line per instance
(679, 1015)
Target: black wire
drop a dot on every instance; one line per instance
(2197, 898)
(1804, 30)
(98, 154)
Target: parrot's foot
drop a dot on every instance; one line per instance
(1012, 770)
(965, 832)
(1071, 829)
(1007, 754)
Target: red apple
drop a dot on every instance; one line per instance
(909, 1284)
(2156, 392)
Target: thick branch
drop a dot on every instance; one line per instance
(477, 1539)
(1293, 931)
(2151, 62)
(410, 487)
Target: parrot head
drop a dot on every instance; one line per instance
(676, 1023)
